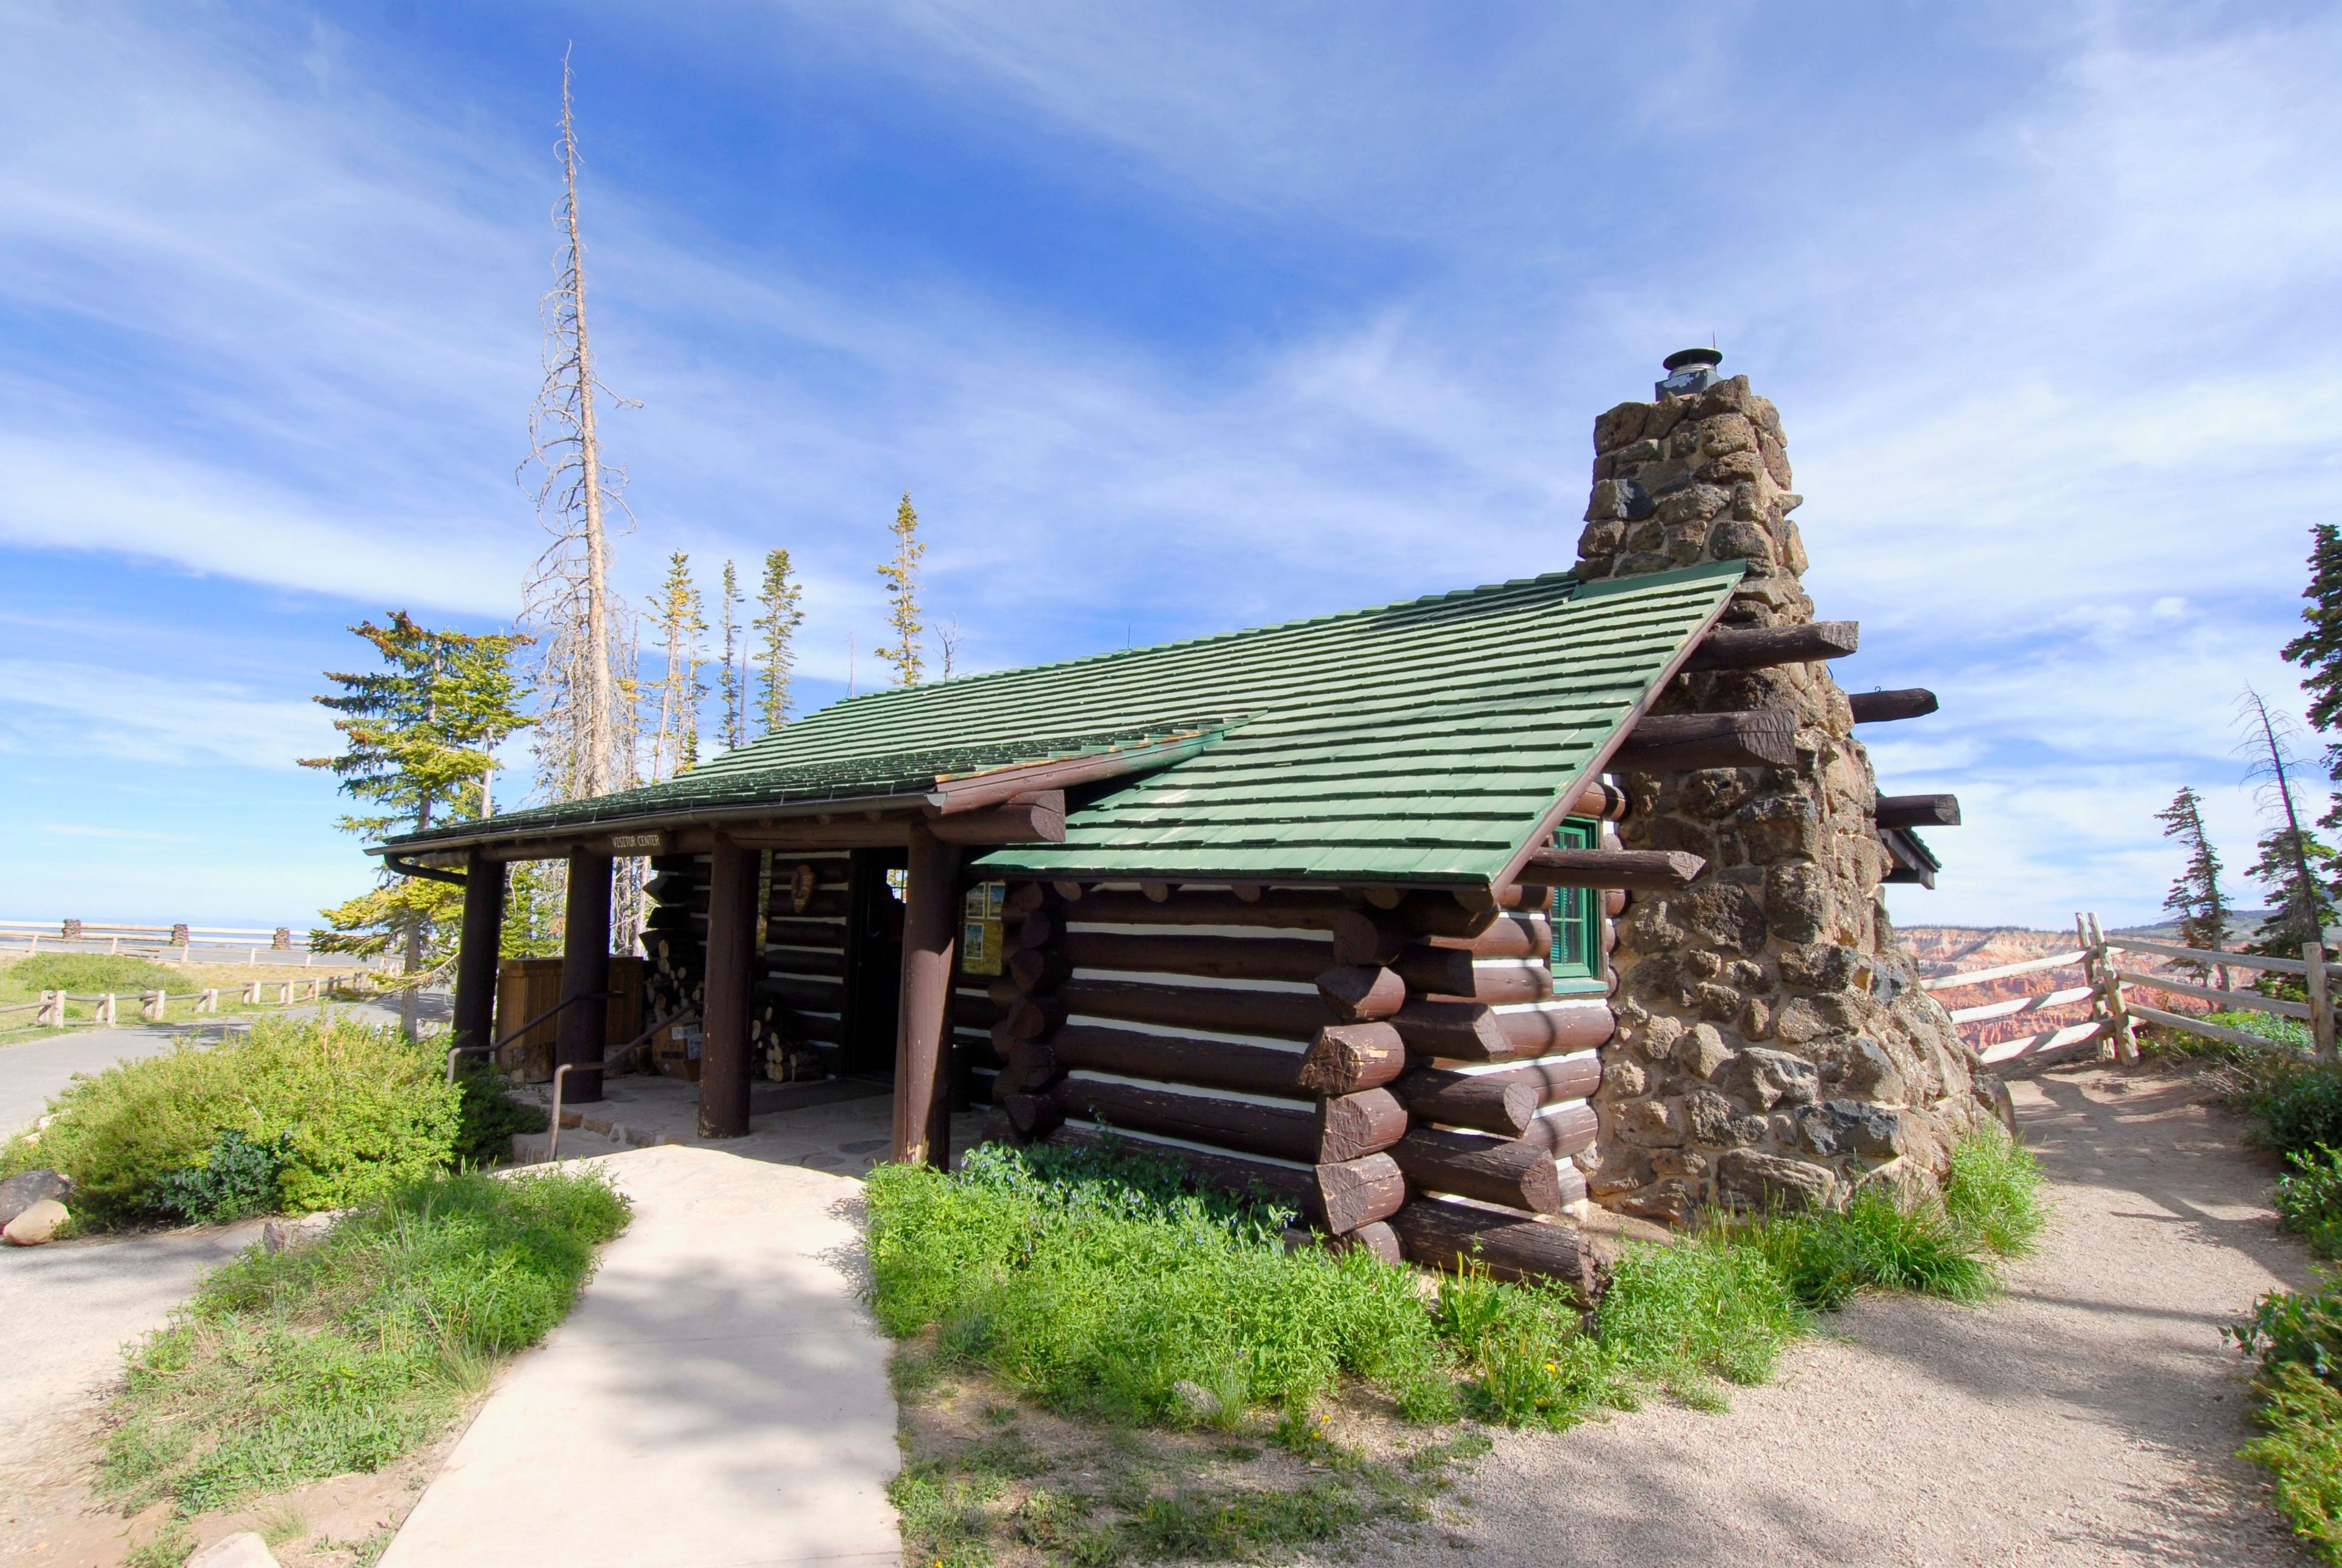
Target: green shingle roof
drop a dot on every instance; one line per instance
(1417, 741)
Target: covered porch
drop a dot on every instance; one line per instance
(884, 937)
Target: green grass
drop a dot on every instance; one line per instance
(1093, 1282)
(342, 1112)
(349, 1354)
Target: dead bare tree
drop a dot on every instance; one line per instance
(567, 595)
(586, 733)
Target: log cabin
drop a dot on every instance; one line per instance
(1332, 910)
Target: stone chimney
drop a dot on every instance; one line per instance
(1773, 1045)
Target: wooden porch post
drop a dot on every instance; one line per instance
(724, 1063)
(475, 951)
(581, 1034)
(922, 1056)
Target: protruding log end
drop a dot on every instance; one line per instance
(1882, 707)
(1359, 995)
(1348, 1057)
(1517, 1172)
(1440, 1235)
(1683, 743)
(1377, 1238)
(1351, 1126)
(1032, 1115)
(1918, 811)
(1363, 938)
(1039, 969)
(1039, 928)
(1034, 1017)
(1634, 870)
(1759, 647)
(1490, 1103)
(1359, 1191)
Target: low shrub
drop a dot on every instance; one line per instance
(347, 1353)
(358, 1110)
(1096, 1281)
(2302, 1451)
(486, 1117)
(87, 974)
(2296, 1336)
(2309, 1199)
(236, 1179)
(1101, 1286)
(2300, 1109)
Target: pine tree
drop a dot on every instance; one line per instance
(902, 576)
(2292, 864)
(776, 654)
(417, 738)
(733, 690)
(2195, 897)
(2319, 652)
(675, 743)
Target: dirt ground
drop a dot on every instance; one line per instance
(2093, 1416)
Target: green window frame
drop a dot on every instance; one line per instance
(1577, 939)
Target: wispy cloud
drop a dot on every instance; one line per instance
(60, 709)
(2033, 289)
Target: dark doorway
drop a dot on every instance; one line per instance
(874, 963)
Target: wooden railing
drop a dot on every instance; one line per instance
(51, 1012)
(2113, 1013)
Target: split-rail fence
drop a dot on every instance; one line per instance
(2111, 977)
(52, 1011)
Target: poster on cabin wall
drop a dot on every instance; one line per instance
(983, 931)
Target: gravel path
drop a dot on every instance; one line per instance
(2091, 1417)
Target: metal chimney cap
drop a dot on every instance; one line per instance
(1684, 356)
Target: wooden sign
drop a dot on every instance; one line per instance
(637, 844)
(802, 883)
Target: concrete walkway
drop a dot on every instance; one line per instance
(718, 1399)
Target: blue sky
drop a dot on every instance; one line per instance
(1173, 319)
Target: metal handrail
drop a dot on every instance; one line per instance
(553, 1142)
(456, 1051)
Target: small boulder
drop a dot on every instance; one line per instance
(35, 1224)
(22, 1191)
(1194, 1402)
(1747, 1179)
(242, 1550)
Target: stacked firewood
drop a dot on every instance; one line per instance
(796, 1015)
(675, 935)
(1396, 1068)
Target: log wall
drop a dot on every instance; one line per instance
(1357, 1062)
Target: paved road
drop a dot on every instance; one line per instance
(719, 1397)
(32, 1073)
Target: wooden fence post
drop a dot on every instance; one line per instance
(52, 1015)
(106, 1010)
(2125, 1037)
(2321, 1001)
